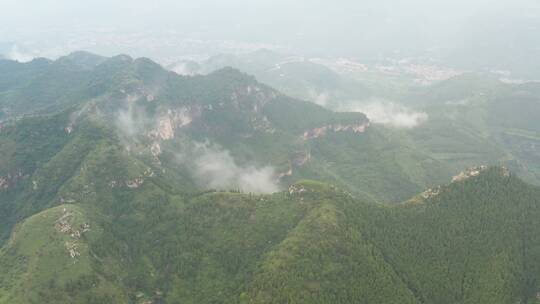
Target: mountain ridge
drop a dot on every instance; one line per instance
(142, 186)
(319, 230)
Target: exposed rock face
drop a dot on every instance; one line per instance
(64, 225)
(165, 128)
(471, 172)
(133, 183)
(318, 132)
(113, 184)
(315, 133)
(260, 96)
(297, 189)
(173, 120)
(431, 193)
(300, 158)
(72, 249)
(289, 172)
(297, 159)
(155, 149)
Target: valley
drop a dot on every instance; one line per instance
(127, 183)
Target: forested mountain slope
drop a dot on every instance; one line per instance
(472, 241)
(162, 117)
(468, 119)
(477, 118)
(143, 186)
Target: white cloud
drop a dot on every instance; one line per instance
(211, 166)
(388, 113)
(16, 54)
(320, 98)
(215, 168)
(131, 119)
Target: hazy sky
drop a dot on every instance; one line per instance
(345, 27)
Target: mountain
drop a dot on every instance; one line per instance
(295, 76)
(311, 244)
(43, 86)
(164, 119)
(127, 183)
(456, 122)
(476, 117)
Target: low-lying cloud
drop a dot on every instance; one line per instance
(320, 98)
(128, 121)
(211, 166)
(215, 168)
(388, 113)
(18, 55)
(132, 120)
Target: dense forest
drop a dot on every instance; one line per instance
(109, 193)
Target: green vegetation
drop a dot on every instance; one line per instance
(477, 119)
(92, 211)
(314, 244)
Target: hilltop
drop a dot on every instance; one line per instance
(311, 244)
(125, 182)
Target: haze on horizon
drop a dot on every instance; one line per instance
(461, 32)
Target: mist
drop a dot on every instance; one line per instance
(465, 33)
(387, 113)
(16, 54)
(210, 165)
(132, 120)
(215, 168)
